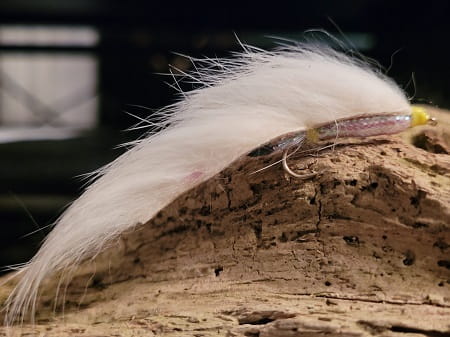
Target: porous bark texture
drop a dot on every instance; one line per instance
(363, 249)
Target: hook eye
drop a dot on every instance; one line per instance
(432, 121)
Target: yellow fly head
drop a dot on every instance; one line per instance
(420, 116)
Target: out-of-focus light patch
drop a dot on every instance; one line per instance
(45, 95)
(23, 134)
(48, 36)
(48, 89)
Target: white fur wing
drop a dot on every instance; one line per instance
(254, 98)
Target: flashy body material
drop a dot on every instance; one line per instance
(358, 126)
(242, 103)
(364, 126)
(372, 125)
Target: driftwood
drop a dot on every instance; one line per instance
(363, 249)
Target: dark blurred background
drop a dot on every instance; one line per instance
(70, 69)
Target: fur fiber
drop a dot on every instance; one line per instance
(243, 102)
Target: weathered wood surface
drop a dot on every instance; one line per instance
(361, 250)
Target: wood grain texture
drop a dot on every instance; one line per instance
(361, 250)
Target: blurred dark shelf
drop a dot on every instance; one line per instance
(51, 166)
